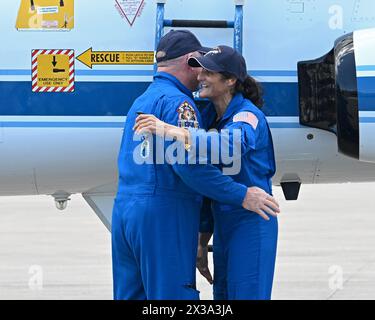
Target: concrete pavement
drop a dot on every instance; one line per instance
(325, 250)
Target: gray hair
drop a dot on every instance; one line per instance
(172, 62)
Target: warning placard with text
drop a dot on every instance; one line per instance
(53, 70)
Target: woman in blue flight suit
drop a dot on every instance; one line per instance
(244, 242)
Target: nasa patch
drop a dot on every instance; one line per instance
(187, 117)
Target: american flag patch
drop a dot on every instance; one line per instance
(247, 117)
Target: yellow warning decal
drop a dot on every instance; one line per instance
(90, 58)
(45, 15)
(50, 76)
(53, 70)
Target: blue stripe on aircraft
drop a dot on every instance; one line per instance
(366, 93)
(16, 72)
(27, 72)
(53, 124)
(72, 124)
(366, 120)
(115, 99)
(285, 125)
(89, 99)
(366, 68)
(273, 73)
(149, 73)
(80, 72)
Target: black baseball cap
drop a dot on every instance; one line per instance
(177, 43)
(222, 59)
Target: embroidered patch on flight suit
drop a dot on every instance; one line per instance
(187, 117)
(247, 117)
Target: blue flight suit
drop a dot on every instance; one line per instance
(155, 219)
(244, 243)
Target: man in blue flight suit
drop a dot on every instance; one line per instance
(155, 219)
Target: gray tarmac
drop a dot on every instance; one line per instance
(326, 247)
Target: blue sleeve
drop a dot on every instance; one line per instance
(210, 181)
(225, 146)
(205, 179)
(206, 217)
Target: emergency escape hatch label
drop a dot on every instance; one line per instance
(53, 70)
(130, 9)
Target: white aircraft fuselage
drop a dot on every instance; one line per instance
(60, 139)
